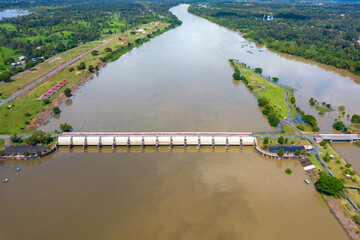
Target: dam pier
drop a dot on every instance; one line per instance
(157, 139)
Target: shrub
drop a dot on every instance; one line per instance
(65, 127)
(46, 101)
(281, 140)
(67, 92)
(95, 52)
(281, 152)
(266, 140)
(81, 66)
(91, 68)
(348, 165)
(258, 70)
(108, 49)
(288, 171)
(357, 219)
(71, 69)
(327, 157)
(56, 110)
(329, 185)
(297, 152)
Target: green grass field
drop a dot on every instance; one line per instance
(14, 120)
(273, 93)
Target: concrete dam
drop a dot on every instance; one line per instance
(170, 139)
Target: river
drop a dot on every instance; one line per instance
(161, 194)
(9, 13)
(179, 81)
(182, 80)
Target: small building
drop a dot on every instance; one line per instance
(33, 59)
(124, 42)
(13, 64)
(318, 139)
(22, 58)
(348, 176)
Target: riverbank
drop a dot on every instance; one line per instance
(29, 111)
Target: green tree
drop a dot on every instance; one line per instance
(8, 61)
(339, 125)
(56, 110)
(329, 185)
(258, 70)
(15, 138)
(266, 140)
(281, 152)
(91, 68)
(355, 118)
(288, 171)
(236, 76)
(327, 157)
(297, 152)
(5, 76)
(281, 140)
(275, 79)
(65, 127)
(81, 66)
(67, 92)
(324, 142)
(108, 49)
(312, 102)
(71, 69)
(341, 108)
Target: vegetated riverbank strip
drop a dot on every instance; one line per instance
(17, 118)
(277, 106)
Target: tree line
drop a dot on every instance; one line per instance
(326, 33)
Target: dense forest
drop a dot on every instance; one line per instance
(324, 32)
(54, 27)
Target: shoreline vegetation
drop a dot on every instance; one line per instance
(322, 33)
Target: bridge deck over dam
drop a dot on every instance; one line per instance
(157, 139)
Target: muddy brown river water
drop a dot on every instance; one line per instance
(179, 81)
(152, 194)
